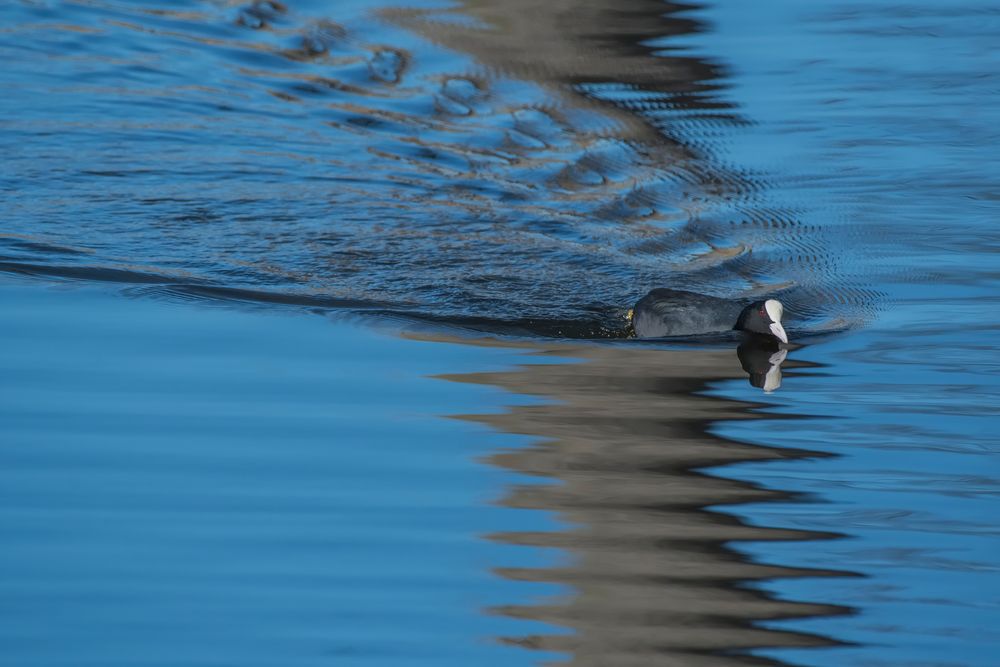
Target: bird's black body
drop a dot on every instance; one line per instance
(668, 312)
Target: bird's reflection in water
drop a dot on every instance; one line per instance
(762, 360)
(653, 573)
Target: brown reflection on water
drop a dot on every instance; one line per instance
(566, 43)
(653, 578)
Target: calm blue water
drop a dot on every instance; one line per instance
(303, 353)
(189, 486)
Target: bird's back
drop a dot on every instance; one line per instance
(667, 312)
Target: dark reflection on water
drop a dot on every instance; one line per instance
(762, 362)
(654, 581)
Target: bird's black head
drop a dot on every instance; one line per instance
(763, 317)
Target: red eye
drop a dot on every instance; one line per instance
(763, 313)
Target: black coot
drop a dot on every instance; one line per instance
(668, 312)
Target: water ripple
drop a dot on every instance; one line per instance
(400, 156)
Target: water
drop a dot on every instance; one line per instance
(458, 191)
(300, 359)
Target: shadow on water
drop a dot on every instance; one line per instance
(621, 436)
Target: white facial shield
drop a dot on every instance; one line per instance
(775, 310)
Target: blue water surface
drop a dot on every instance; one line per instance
(198, 486)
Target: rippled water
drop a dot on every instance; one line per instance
(339, 153)
(252, 484)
